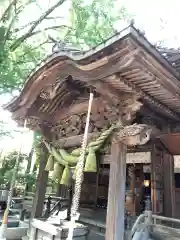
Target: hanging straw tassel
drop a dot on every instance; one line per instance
(50, 164)
(65, 180)
(91, 164)
(57, 173)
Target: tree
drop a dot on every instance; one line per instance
(7, 168)
(17, 56)
(94, 21)
(90, 22)
(8, 164)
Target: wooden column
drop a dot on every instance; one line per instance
(157, 181)
(133, 190)
(139, 188)
(97, 185)
(41, 185)
(116, 194)
(169, 190)
(130, 200)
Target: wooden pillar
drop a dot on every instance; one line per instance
(157, 181)
(169, 190)
(139, 188)
(133, 190)
(42, 179)
(70, 198)
(97, 185)
(130, 202)
(116, 194)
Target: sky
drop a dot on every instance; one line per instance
(18, 140)
(158, 18)
(153, 15)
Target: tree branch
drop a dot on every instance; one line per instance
(45, 29)
(8, 31)
(24, 26)
(49, 28)
(30, 23)
(7, 10)
(18, 42)
(52, 18)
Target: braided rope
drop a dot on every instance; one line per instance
(79, 174)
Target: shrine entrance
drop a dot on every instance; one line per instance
(138, 188)
(136, 90)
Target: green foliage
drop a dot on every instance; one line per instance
(29, 179)
(14, 66)
(94, 21)
(6, 171)
(17, 56)
(8, 165)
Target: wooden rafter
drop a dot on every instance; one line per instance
(123, 66)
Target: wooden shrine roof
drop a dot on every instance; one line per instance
(126, 62)
(172, 55)
(171, 142)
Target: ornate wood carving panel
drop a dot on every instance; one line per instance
(101, 118)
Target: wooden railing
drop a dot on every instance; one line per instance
(155, 226)
(27, 201)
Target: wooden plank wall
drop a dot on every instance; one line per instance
(162, 182)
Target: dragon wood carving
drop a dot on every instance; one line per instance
(101, 118)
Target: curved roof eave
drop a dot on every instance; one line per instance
(75, 58)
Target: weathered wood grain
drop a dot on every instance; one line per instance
(116, 195)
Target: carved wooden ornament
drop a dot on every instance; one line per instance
(136, 134)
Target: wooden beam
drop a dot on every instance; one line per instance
(147, 97)
(91, 71)
(97, 185)
(110, 93)
(74, 141)
(42, 179)
(116, 194)
(134, 157)
(78, 108)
